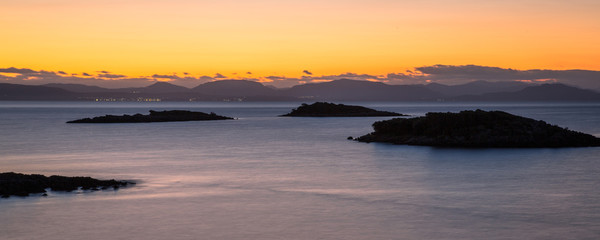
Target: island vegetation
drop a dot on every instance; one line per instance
(476, 129)
(325, 109)
(154, 116)
(18, 184)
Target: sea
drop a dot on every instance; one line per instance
(261, 176)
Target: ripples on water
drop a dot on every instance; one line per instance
(265, 177)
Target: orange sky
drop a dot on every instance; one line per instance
(285, 37)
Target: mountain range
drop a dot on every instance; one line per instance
(338, 90)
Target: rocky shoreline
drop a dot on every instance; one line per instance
(477, 129)
(18, 184)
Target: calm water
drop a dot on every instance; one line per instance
(266, 177)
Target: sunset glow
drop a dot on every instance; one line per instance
(283, 38)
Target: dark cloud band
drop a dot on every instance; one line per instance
(445, 74)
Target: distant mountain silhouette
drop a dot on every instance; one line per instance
(80, 88)
(163, 90)
(25, 92)
(238, 88)
(476, 88)
(353, 90)
(545, 92)
(160, 87)
(338, 90)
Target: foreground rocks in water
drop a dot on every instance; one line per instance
(18, 184)
(325, 109)
(154, 116)
(476, 129)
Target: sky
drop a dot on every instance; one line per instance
(289, 42)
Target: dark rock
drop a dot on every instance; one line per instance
(154, 116)
(22, 185)
(476, 129)
(325, 109)
(350, 138)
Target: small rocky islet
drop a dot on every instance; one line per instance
(18, 184)
(325, 109)
(476, 129)
(154, 116)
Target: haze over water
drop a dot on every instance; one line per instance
(268, 177)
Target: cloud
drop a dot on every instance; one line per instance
(469, 72)
(108, 75)
(249, 73)
(32, 77)
(278, 78)
(107, 79)
(283, 81)
(455, 74)
(206, 78)
(170, 77)
(445, 74)
(219, 76)
(349, 75)
(186, 81)
(28, 74)
(307, 72)
(17, 70)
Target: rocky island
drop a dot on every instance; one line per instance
(18, 184)
(477, 129)
(325, 109)
(154, 116)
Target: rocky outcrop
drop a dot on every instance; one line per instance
(154, 116)
(19, 184)
(325, 109)
(476, 129)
